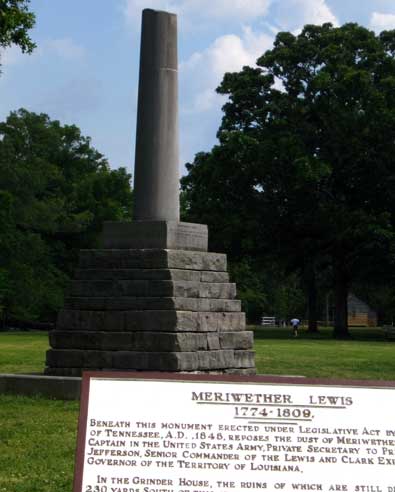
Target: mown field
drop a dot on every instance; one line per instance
(38, 435)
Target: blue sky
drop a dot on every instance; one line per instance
(85, 68)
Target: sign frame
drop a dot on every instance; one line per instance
(201, 378)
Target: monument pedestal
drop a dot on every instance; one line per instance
(151, 309)
(153, 299)
(154, 234)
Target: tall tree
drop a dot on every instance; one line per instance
(55, 192)
(15, 22)
(307, 145)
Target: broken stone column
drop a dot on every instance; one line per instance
(153, 298)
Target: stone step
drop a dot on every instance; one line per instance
(78, 371)
(159, 361)
(150, 274)
(150, 341)
(151, 258)
(151, 304)
(158, 321)
(152, 288)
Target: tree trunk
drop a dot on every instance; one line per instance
(340, 328)
(312, 298)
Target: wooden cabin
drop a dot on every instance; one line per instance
(359, 313)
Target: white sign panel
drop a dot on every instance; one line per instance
(163, 435)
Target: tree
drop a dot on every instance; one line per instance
(56, 191)
(307, 145)
(15, 22)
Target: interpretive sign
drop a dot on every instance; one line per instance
(145, 432)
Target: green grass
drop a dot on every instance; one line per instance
(23, 352)
(37, 444)
(366, 355)
(38, 436)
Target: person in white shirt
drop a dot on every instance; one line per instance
(295, 325)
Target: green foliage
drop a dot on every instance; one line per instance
(56, 191)
(305, 166)
(15, 22)
(250, 289)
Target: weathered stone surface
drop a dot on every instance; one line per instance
(215, 359)
(160, 361)
(152, 288)
(213, 341)
(69, 319)
(154, 234)
(141, 341)
(195, 260)
(140, 274)
(151, 258)
(244, 358)
(151, 303)
(156, 171)
(236, 340)
(215, 277)
(150, 274)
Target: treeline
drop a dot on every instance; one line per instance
(301, 184)
(299, 191)
(55, 192)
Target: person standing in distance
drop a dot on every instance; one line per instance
(295, 325)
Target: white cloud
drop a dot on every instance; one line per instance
(203, 72)
(200, 11)
(64, 47)
(11, 56)
(292, 15)
(382, 22)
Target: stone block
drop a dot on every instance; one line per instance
(151, 288)
(236, 340)
(244, 358)
(216, 277)
(147, 274)
(154, 234)
(222, 321)
(213, 341)
(215, 359)
(153, 361)
(194, 260)
(79, 358)
(133, 341)
(156, 361)
(217, 290)
(151, 304)
(150, 320)
(65, 358)
(74, 319)
(151, 259)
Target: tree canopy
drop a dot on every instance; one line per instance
(15, 22)
(305, 163)
(55, 192)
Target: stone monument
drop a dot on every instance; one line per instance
(153, 298)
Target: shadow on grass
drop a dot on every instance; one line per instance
(356, 334)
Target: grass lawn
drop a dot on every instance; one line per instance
(37, 435)
(366, 355)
